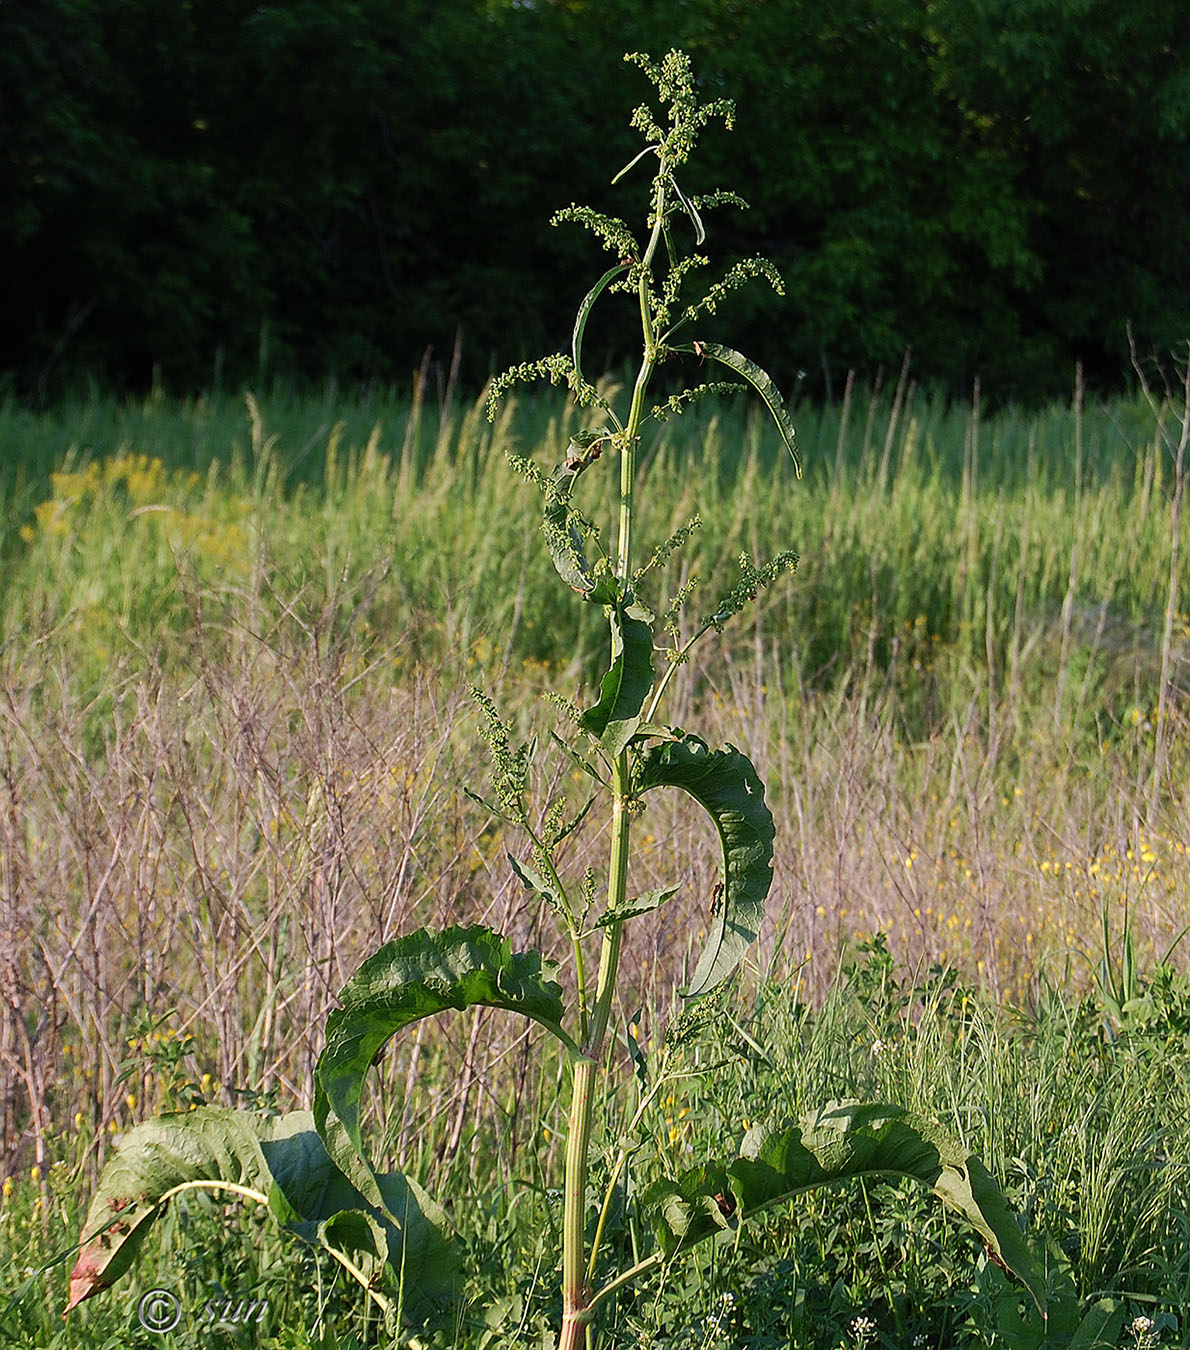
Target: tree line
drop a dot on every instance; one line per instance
(215, 190)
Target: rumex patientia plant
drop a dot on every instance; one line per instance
(313, 1168)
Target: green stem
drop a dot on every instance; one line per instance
(572, 928)
(678, 660)
(631, 434)
(626, 1277)
(618, 1168)
(576, 1292)
(233, 1187)
(247, 1193)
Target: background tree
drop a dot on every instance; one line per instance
(229, 190)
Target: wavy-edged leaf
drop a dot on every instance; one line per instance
(279, 1157)
(762, 382)
(836, 1143)
(584, 312)
(408, 979)
(565, 543)
(726, 785)
(622, 693)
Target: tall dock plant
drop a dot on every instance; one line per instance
(313, 1168)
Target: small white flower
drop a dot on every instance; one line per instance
(1142, 1328)
(863, 1329)
(877, 1047)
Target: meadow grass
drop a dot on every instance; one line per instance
(1084, 1120)
(237, 641)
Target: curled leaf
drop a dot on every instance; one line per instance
(761, 382)
(838, 1142)
(584, 312)
(407, 979)
(726, 785)
(278, 1158)
(565, 543)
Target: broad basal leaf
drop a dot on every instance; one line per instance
(210, 1144)
(761, 382)
(838, 1142)
(727, 786)
(280, 1158)
(405, 980)
(616, 718)
(316, 1201)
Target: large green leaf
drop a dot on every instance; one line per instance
(727, 786)
(407, 979)
(315, 1200)
(617, 716)
(836, 1143)
(280, 1158)
(210, 1144)
(762, 382)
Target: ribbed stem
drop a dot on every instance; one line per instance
(576, 1292)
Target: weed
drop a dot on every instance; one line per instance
(312, 1170)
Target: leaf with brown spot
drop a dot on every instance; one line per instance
(283, 1159)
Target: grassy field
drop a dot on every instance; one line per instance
(235, 733)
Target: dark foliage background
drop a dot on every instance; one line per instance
(217, 190)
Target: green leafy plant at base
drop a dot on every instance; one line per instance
(313, 1170)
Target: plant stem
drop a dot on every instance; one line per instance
(621, 1161)
(576, 1292)
(233, 1187)
(248, 1193)
(631, 434)
(678, 660)
(627, 1276)
(572, 928)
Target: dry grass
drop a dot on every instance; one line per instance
(221, 820)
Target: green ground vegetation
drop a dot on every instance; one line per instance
(1083, 1116)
